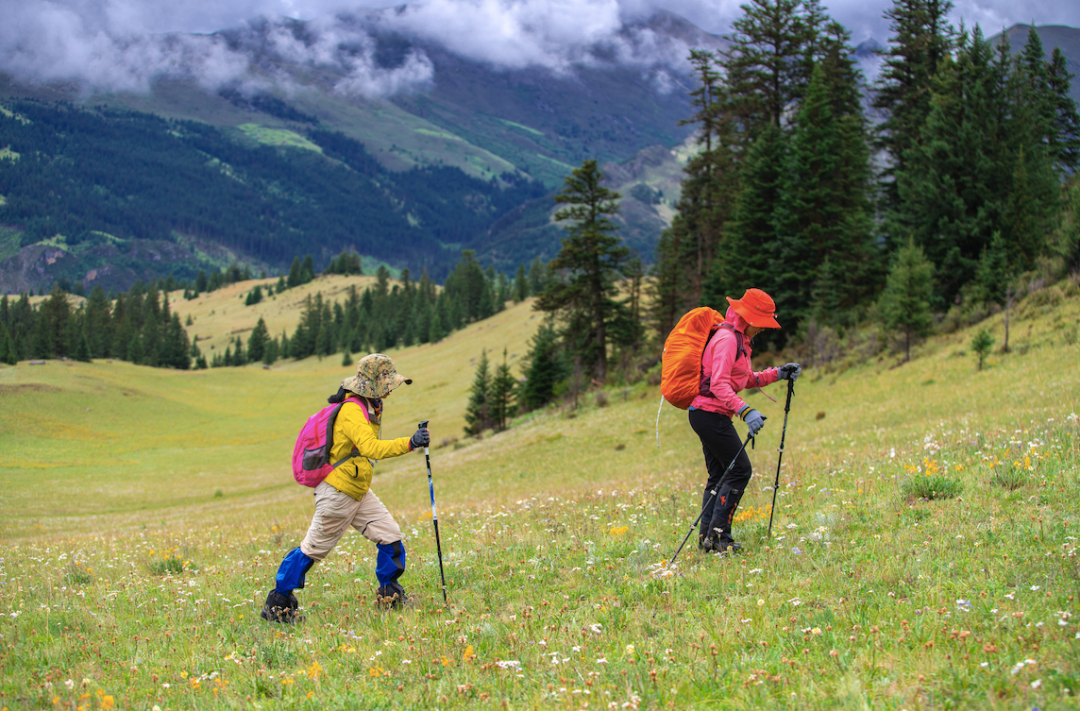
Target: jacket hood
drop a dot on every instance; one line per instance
(735, 320)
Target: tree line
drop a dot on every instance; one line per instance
(385, 316)
(138, 326)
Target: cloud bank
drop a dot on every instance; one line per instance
(124, 45)
(113, 45)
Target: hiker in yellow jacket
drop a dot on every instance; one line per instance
(345, 497)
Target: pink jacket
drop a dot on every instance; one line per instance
(728, 375)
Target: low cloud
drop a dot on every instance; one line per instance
(124, 45)
(109, 46)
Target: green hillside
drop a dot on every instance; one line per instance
(100, 185)
(146, 511)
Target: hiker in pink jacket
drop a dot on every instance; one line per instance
(726, 370)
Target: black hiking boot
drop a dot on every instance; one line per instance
(727, 546)
(281, 608)
(392, 596)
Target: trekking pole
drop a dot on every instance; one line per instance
(780, 458)
(712, 495)
(434, 514)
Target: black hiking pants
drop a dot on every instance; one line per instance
(720, 443)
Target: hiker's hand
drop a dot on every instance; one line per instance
(791, 372)
(420, 438)
(754, 421)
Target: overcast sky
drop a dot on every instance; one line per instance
(863, 17)
(115, 45)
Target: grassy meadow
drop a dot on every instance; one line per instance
(923, 553)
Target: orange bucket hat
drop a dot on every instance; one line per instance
(757, 308)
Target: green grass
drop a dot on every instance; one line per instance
(126, 574)
(277, 137)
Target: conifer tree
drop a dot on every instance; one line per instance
(591, 258)
(951, 188)
(753, 226)
(502, 396)
(521, 284)
(257, 341)
(295, 277)
(543, 367)
(921, 40)
(99, 324)
(824, 211)
(904, 305)
(765, 62)
(1064, 141)
(478, 410)
(7, 346)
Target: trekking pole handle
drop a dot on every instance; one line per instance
(423, 426)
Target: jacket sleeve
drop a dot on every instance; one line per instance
(356, 428)
(721, 355)
(765, 377)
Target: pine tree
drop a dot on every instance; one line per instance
(502, 396)
(307, 270)
(591, 259)
(766, 62)
(7, 345)
(753, 226)
(521, 284)
(537, 276)
(1065, 131)
(270, 353)
(951, 188)
(55, 312)
(905, 303)
(709, 182)
(921, 40)
(295, 276)
(260, 336)
(478, 411)
(543, 368)
(99, 323)
(824, 211)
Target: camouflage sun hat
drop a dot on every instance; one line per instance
(375, 377)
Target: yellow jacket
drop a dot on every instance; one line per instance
(352, 429)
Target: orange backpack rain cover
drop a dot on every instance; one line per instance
(680, 375)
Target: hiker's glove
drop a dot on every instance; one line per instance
(791, 372)
(420, 438)
(754, 420)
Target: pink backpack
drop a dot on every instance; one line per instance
(311, 455)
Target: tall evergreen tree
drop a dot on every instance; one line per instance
(921, 39)
(750, 243)
(1065, 132)
(766, 61)
(590, 259)
(521, 284)
(825, 211)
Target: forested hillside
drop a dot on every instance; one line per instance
(99, 180)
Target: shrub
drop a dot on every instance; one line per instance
(981, 344)
(1007, 478)
(932, 487)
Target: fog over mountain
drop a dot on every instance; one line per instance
(105, 50)
(123, 45)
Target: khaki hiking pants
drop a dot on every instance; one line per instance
(335, 512)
